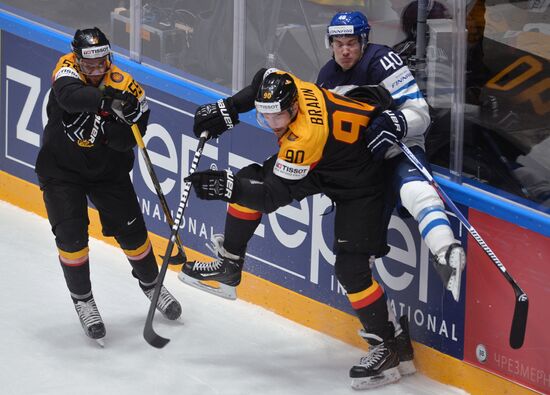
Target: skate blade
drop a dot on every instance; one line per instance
(222, 290)
(453, 285)
(100, 342)
(386, 377)
(406, 368)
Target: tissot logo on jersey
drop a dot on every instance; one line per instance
(66, 72)
(289, 171)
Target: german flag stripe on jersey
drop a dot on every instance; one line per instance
(242, 212)
(140, 252)
(367, 297)
(76, 258)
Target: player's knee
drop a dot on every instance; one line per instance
(132, 241)
(71, 235)
(353, 271)
(418, 195)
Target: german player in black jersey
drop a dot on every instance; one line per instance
(322, 149)
(87, 152)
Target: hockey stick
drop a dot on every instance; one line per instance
(149, 333)
(180, 257)
(519, 320)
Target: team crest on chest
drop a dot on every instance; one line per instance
(116, 76)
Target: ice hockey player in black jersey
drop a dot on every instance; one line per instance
(87, 153)
(322, 149)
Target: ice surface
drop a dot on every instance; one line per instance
(218, 347)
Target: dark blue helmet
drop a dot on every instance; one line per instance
(353, 23)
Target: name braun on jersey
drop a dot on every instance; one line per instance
(315, 116)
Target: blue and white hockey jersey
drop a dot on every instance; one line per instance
(379, 65)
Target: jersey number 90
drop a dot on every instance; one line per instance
(347, 122)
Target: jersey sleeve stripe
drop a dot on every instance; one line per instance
(413, 96)
(411, 84)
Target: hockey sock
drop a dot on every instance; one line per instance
(425, 205)
(144, 265)
(372, 310)
(76, 270)
(240, 225)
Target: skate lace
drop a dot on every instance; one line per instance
(88, 313)
(165, 298)
(374, 355)
(207, 266)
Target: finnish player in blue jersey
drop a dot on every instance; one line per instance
(355, 63)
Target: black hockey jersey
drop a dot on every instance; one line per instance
(63, 159)
(323, 151)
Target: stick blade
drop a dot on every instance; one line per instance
(153, 338)
(177, 259)
(519, 321)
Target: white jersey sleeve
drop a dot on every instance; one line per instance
(409, 100)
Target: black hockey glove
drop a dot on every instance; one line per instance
(123, 104)
(213, 185)
(389, 127)
(84, 129)
(106, 103)
(215, 117)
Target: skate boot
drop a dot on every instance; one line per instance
(404, 348)
(90, 319)
(166, 303)
(225, 270)
(379, 367)
(449, 265)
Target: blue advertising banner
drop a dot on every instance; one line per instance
(291, 247)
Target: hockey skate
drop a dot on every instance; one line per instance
(225, 271)
(449, 266)
(404, 349)
(166, 304)
(403, 346)
(90, 319)
(379, 367)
